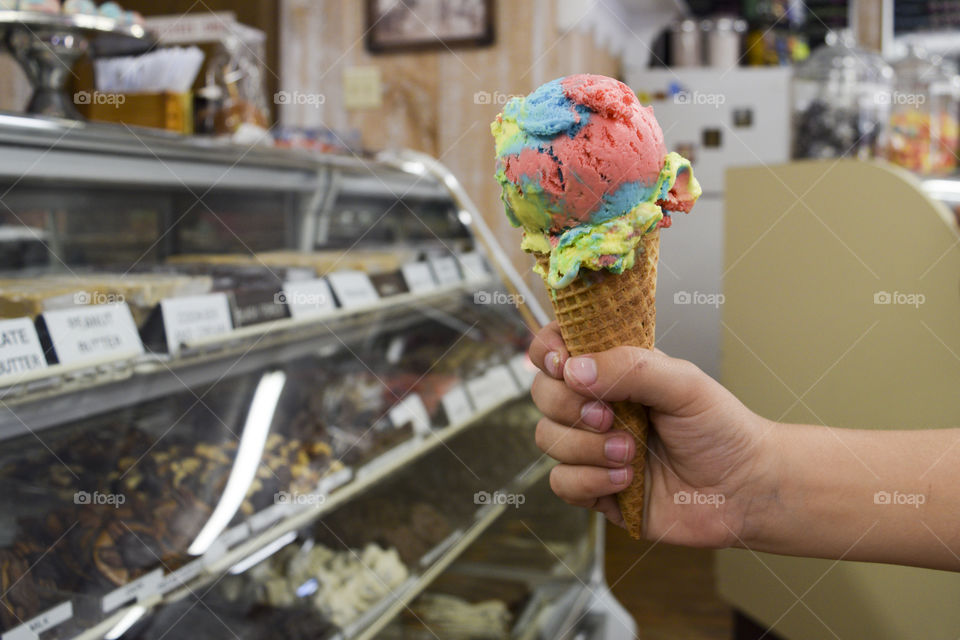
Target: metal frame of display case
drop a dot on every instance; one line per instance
(75, 154)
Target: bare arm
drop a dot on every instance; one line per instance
(722, 476)
(878, 496)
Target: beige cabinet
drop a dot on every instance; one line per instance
(842, 285)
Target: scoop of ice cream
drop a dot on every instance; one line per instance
(584, 170)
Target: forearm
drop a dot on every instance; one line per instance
(879, 496)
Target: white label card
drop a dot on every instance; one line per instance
(306, 298)
(446, 270)
(181, 577)
(419, 277)
(32, 628)
(483, 391)
(523, 369)
(143, 587)
(353, 289)
(94, 332)
(296, 274)
(456, 404)
(495, 386)
(411, 409)
(20, 350)
(474, 267)
(192, 318)
(504, 380)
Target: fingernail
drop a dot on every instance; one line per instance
(552, 364)
(592, 414)
(616, 449)
(618, 476)
(583, 370)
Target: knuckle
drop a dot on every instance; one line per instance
(584, 480)
(536, 389)
(686, 371)
(540, 436)
(556, 483)
(635, 359)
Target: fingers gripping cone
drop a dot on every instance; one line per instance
(600, 310)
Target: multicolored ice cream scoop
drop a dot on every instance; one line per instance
(584, 170)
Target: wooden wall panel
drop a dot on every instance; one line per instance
(429, 97)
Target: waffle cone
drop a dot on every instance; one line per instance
(601, 310)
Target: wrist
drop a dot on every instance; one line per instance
(762, 505)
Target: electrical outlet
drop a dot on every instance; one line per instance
(362, 88)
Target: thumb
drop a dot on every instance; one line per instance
(633, 374)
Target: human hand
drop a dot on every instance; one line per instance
(707, 467)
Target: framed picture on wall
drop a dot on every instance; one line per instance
(410, 25)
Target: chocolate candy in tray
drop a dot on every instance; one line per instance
(216, 618)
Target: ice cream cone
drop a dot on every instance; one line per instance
(600, 310)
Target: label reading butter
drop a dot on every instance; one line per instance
(446, 270)
(143, 587)
(96, 332)
(456, 404)
(419, 277)
(353, 289)
(32, 628)
(306, 298)
(194, 318)
(20, 350)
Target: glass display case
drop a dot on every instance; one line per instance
(249, 392)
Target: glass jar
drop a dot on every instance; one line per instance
(923, 114)
(686, 44)
(841, 101)
(723, 41)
